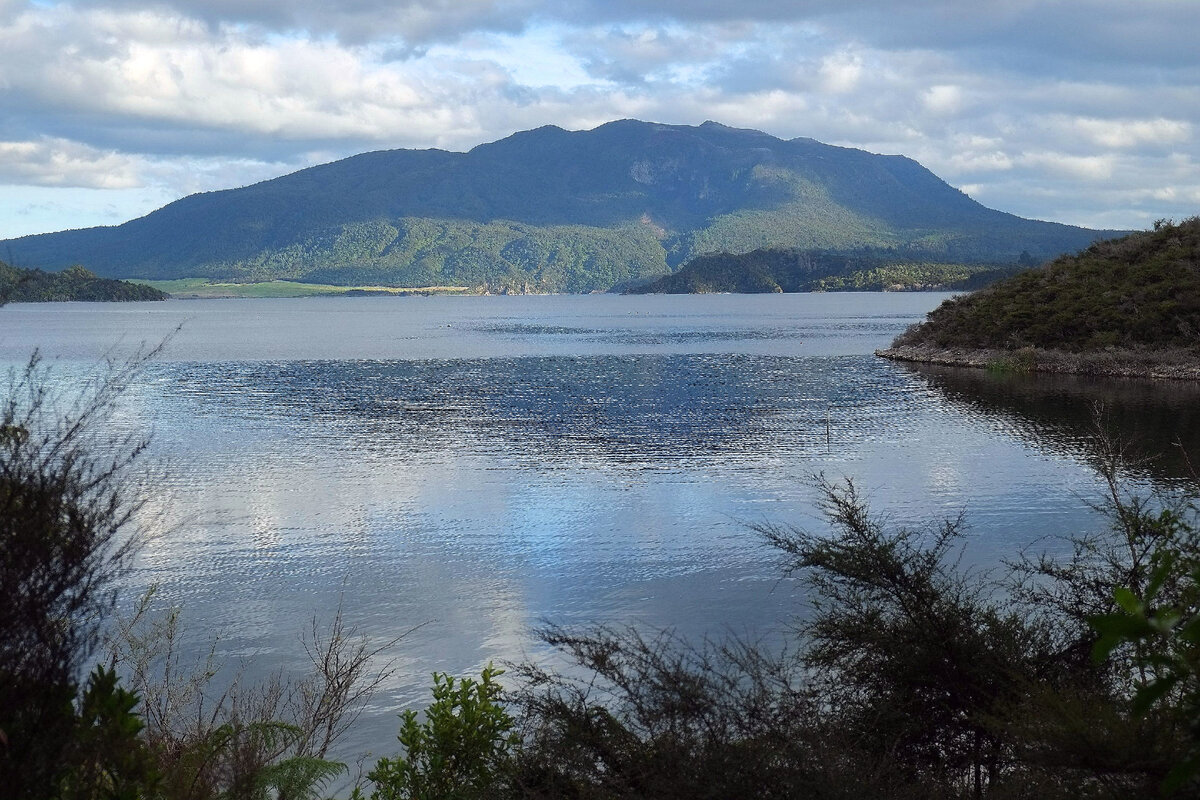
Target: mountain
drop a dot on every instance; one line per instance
(553, 210)
(1128, 306)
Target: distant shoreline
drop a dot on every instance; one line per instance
(202, 289)
(1176, 364)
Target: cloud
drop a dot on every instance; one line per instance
(840, 72)
(1124, 134)
(134, 73)
(637, 54)
(59, 162)
(943, 99)
(355, 22)
(1058, 96)
(1088, 168)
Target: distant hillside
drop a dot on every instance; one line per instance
(553, 210)
(73, 283)
(774, 270)
(1132, 299)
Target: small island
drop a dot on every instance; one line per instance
(74, 283)
(1126, 307)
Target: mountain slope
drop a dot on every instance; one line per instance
(549, 209)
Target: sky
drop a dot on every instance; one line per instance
(1077, 111)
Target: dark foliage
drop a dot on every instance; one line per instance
(914, 678)
(657, 717)
(105, 757)
(914, 653)
(779, 270)
(73, 283)
(67, 499)
(1141, 291)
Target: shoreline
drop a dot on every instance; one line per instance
(1176, 365)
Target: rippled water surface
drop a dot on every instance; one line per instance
(477, 465)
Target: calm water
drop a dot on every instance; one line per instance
(481, 464)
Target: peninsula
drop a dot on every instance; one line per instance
(1122, 307)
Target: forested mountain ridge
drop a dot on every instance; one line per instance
(554, 210)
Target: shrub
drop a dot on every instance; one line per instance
(68, 496)
(460, 750)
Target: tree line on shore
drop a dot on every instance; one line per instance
(74, 283)
(863, 269)
(1070, 673)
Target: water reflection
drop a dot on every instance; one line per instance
(637, 411)
(486, 463)
(1157, 422)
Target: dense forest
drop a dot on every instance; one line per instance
(74, 283)
(1139, 292)
(784, 270)
(550, 210)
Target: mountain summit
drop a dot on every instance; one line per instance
(554, 210)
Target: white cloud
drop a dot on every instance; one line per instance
(840, 72)
(943, 99)
(975, 161)
(59, 162)
(1132, 133)
(165, 91)
(1087, 168)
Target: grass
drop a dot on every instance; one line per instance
(202, 287)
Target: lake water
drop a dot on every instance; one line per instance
(477, 465)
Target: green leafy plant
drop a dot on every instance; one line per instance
(108, 758)
(458, 751)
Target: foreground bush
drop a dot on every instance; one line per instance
(911, 676)
(69, 501)
(461, 749)
(68, 496)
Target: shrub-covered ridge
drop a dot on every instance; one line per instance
(1141, 291)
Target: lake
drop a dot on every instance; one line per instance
(477, 465)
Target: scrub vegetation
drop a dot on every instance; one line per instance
(1140, 292)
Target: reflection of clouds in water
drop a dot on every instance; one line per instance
(481, 496)
(595, 480)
